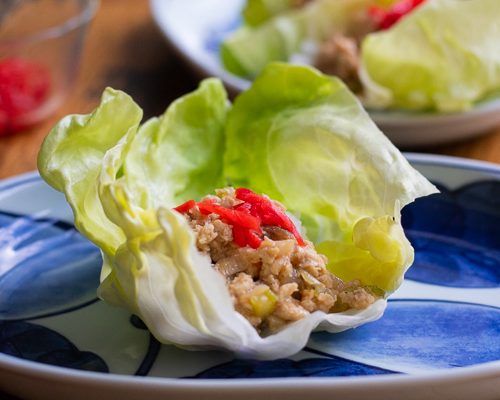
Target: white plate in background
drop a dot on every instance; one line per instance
(196, 27)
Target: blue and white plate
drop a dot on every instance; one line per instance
(195, 28)
(439, 338)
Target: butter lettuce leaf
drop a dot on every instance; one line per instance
(256, 12)
(71, 160)
(158, 163)
(297, 135)
(443, 56)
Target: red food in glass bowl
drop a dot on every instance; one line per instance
(24, 89)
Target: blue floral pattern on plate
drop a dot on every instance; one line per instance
(456, 236)
(45, 267)
(37, 343)
(417, 335)
(48, 269)
(331, 366)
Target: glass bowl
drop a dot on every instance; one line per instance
(40, 47)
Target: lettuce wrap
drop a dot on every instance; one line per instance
(250, 48)
(443, 56)
(296, 135)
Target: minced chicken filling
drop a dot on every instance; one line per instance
(340, 54)
(279, 281)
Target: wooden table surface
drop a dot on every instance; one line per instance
(125, 50)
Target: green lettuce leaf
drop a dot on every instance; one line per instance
(256, 12)
(71, 161)
(297, 135)
(160, 163)
(444, 55)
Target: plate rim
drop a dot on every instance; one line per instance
(491, 369)
(235, 84)
(24, 367)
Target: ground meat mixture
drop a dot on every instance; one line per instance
(278, 282)
(340, 55)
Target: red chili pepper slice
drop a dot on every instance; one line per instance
(233, 217)
(185, 207)
(246, 218)
(246, 237)
(385, 18)
(269, 212)
(239, 236)
(244, 207)
(253, 239)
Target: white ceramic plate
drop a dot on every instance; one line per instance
(196, 27)
(439, 338)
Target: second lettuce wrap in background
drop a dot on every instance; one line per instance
(442, 56)
(296, 135)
